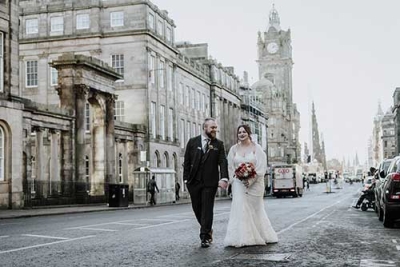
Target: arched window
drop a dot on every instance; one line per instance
(166, 160)
(2, 152)
(156, 160)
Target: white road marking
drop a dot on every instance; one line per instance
(94, 229)
(377, 263)
(44, 245)
(394, 241)
(133, 224)
(4, 236)
(168, 220)
(398, 247)
(46, 236)
(223, 213)
(308, 217)
(161, 224)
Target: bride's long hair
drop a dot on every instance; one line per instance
(246, 128)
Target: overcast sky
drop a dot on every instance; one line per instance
(346, 55)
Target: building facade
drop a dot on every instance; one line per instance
(166, 88)
(275, 79)
(388, 136)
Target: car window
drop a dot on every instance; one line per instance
(386, 165)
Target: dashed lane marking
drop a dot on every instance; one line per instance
(394, 241)
(4, 236)
(94, 229)
(132, 224)
(377, 263)
(45, 244)
(46, 236)
(161, 224)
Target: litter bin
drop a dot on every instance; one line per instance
(118, 195)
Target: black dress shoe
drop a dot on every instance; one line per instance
(210, 239)
(205, 244)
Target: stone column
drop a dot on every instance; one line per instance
(66, 163)
(81, 92)
(110, 141)
(39, 183)
(125, 161)
(55, 186)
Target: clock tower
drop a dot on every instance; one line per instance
(275, 65)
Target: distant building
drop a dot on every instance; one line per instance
(388, 136)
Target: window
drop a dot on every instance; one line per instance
(153, 119)
(188, 130)
(199, 129)
(386, 145)
(31, 26)
(171, 124)
(53, 76)
(31, 73)
(194, 129)
(168, 35)
(117, 19)
(151, 21)
(117, 62)
(87, 117)
(120, 167)
(57, 24)
(2, 152)
(193, 98)
(160, 27)
(119, 111)
(181, 93)
(198, 101)
(1, 62)
(162, 122)
(203, 103)
(182, 131)
(161, 74)
(152, 61)
(82, 21)
(187, 95)
(169, 77)
(208, 105)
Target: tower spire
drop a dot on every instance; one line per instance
(274, 20)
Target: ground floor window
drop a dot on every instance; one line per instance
(2, 152)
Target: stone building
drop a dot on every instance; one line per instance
(275, 79)
(318, 152)
(165, 88)
(396, 114)
(388, 137)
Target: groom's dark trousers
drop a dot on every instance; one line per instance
(202, 173)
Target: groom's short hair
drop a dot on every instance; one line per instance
(207, 120)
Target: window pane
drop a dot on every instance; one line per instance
(57, 24)
(31, 26)
(117, 19)
(31, 73)
(82, 21)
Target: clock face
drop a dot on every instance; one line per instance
(272, 48)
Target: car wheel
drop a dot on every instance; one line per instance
(386, 222)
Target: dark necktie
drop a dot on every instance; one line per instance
(205, 148)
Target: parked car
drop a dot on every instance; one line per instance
(380, 178)
(390, 199)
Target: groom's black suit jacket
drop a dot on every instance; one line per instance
(206, 163)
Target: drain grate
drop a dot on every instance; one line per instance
(266, 257)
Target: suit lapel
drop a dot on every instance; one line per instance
(212, 143)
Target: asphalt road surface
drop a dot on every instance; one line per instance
(318, 229)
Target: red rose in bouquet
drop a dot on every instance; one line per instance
(245, 171)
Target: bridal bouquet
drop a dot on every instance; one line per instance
(245, 171)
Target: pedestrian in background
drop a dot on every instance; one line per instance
(151, 188)
(177, 188)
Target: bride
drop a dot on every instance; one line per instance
(248, 222)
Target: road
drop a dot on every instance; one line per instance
(318, 229)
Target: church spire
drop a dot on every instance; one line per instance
(274, 20)
(380, 111)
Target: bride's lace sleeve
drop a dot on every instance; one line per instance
(261, 165)
(231, 164)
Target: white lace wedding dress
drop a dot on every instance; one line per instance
(248, 222)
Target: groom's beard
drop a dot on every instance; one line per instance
(211, 135)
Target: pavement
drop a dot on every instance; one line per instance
(68, 209)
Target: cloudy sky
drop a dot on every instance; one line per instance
(346, 55)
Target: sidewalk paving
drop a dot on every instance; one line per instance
(59, 210)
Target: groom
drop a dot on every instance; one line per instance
(203, 155)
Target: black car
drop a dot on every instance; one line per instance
(380, 178)
(390, 199)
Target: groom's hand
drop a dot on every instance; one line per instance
(223, 184)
